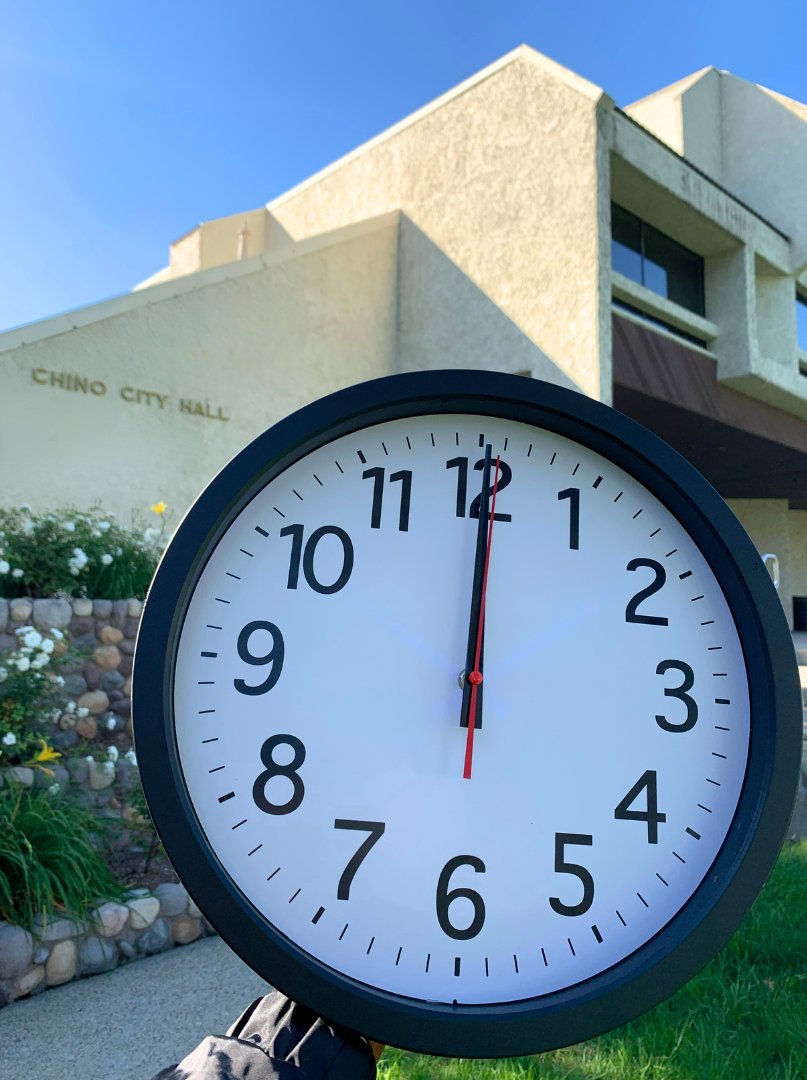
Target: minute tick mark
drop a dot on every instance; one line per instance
(245, 552)
(278, 511)
(597, 482)
(263, 532)
(210, 655)
(229, 574)
(227, 797)
(692, 832)
(362, 458)
(318, 916)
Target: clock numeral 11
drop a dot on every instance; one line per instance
(404, 477)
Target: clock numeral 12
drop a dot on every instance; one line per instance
(309, 551)
(461, 465)
(405, 479)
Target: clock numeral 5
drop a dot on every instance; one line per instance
(446, 896)
(405, 479)
(288, 771)
(631, 611)
(461, 465)
(576, 870)
(679, 692)
(309, 551)
(647, 781)
(273, 657)
(376, 831)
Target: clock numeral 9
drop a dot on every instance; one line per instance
(273, 769)
(576, 870)
(461, 465)
(377, 476)
(631, 611)
(308, 553)
(446, 896)
(679, 692)
(273, 657)
(647, 781)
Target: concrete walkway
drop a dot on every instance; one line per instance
(130, 1023)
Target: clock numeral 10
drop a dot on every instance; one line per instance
(404, 477)
(309, 551)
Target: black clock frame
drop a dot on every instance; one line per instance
(710, 916)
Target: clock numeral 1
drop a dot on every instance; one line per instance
(576, 870)
(573, 495)
(273, 657)
(461, 465)
(631, 611)
(289, 771)
(445, 896)
(309, 551)
(405, 479)
(376, 831)
(679, 692)
(646, 782)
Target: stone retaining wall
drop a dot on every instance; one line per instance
(61, 949)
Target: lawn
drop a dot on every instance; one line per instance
(744, 1017)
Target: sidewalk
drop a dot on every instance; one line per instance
(130, 1023)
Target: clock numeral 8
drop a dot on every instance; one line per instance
(445, 897)
(274, 769)
(273, 657)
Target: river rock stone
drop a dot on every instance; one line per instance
(186, 929)
(193, 910)
(52, 613)
(107, 657)
(61, 965)
(22, 774)
(110, 919)
(131, 628)
(79, 770)
(28, 982)
(16, 949)
(110, 635)
(122, 707)
(135, 608)
(126, 665)
(64, 740)
(94, 700)
(3, 614)
(74, 686)
(101, 777)
(126, 647)
(120, 610)
(92, 674)
(143, 910)
(41, 953)
(96, 955)
(155, 939)
(127, 949)
(86, 727)
(82, 626)
(56, 929)
(82, 606)
(8, 643)
(173, 899)
(20, 609)
(102, 609)
(111, 681)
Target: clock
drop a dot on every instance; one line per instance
(467, 713)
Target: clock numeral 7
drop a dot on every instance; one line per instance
(405, 479)
(461, 465)
(376, 831)
(273, 657)
(646, 782)
(308, 553)
(575, 870)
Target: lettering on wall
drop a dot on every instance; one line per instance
(131, 395)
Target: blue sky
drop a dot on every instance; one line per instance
(125, 124)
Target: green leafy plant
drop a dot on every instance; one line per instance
(29, 696)
(77, 553)
(48, 864)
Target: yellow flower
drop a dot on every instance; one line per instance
(159, 507)
(46, 753)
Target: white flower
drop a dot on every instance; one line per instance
(106, 560)
(9, 739)
(68, 526)
(96, 533)
(39, 661)
(89, 759)
(56, 633)
(103, 525)
(28, 527)
(16, 572)
(32, 639)
(111, 723)
(74, 570)
(4, 566)
(22, 663)
(108, 766)
(47, 646)
(59, 680)
(70, 706)
(112, 753)
(82, 712)
(131, 757)
(53, 789)
(119, 551)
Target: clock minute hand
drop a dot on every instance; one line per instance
(471, 713)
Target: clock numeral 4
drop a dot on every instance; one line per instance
(446, 896)
(289, 771)
(274, 657)
(404, 477)
(461, 465)
(575, 870)
(632, 610)
(376, 831)
(646, 782)
(307, 553)
(681, 693)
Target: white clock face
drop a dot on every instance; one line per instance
(317, 711)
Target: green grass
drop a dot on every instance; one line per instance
(744, 1017)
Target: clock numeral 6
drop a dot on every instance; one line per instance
(273, 657)
(576, 870)
(308, 553)
(646, 782)
(289, 771)
(446, 896)
(405, 479)
(679, 692)
(631, 611)
(461, 465)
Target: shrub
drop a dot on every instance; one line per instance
(77, 554)
(29, 696)
(48, 864)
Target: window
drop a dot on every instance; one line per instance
(801, 322)
(654, 260)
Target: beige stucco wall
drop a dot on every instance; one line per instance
(502, 177)
(768, 523)
(251, 342)
(797, 520)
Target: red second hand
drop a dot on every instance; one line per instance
(475, 676)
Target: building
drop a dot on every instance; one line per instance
(653, 257)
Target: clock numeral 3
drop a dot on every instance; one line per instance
(405, 479)
(309, 551)
(631, 611)
(273, 657)
(446, 896)
(576, 870)
(376, 831)
(273, 769)
(679, 692)
(461, 465)
(647, 781)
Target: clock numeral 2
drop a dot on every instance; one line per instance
(405, 479)
(575, 870)
(309, 551)
(631, 611)
(376, 831)
(461, 465)
(445, 896)
(646, 782)
(273, 657)
(273, 769)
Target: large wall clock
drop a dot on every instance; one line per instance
(467, 712)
